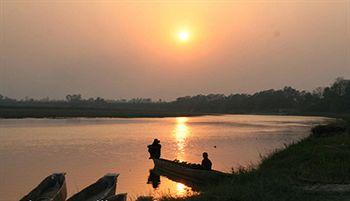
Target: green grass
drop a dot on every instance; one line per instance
(284, 174)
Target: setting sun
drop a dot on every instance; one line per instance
(183, 35)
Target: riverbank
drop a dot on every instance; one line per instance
(85, 112)
(74, 112)
(315, 169)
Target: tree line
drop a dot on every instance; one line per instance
(331, 99)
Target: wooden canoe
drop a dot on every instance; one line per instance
(194, 175)
(52, 188)
(100, 190)
(118, 197)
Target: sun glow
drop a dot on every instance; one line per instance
(181, 120)
(184, 36)
(181, 189)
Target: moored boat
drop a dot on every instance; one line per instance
(188, 172)
(52, 188)
(118, 197)
(100, 190)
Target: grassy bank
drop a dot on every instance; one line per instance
(313, 169)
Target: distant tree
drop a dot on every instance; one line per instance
(100, 100)
(318, 92)
(347, 97)
(335, 97)
(73, 98)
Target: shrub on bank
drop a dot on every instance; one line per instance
(329, 129)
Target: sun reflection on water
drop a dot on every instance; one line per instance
(180, 189)
(181, 133)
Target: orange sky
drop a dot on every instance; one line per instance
(131, 49)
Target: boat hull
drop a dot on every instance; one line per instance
(197, 176)
(118, 197)
(100, 190)
(52, 188)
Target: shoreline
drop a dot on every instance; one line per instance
(62, 113)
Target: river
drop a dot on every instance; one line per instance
(88, 148)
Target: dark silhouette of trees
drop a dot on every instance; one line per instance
(332, 99)
(336, 98)
(74, 98)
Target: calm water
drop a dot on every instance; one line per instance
(86, 149)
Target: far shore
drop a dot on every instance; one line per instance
(73, 112)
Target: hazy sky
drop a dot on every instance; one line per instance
(120, 49)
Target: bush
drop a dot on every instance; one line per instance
(328, 130)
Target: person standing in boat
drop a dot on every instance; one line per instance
(154, 149)
(206, 163)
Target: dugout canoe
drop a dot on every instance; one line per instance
(52, 188)
(184, 171)
(118, 197)
(100, 190)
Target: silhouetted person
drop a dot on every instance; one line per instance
(154, 149)
(206, 163)
(153, 179)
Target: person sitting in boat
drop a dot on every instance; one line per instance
(206, 163)
(154, 149)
